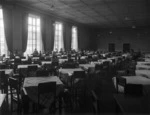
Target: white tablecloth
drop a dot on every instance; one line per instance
(69, 71)
(31, 87)
(46, 62)
(143, 63)
(132, 80)
(139, 67)
(26, 66)
(87, 66)
(62, 60)
(34, 81)
(145, 73)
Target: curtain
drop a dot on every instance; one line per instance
(8, 22)
(43, 32)
(24, 31)
(52, 35)
(67, 37)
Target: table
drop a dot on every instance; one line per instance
(69, 71)
(46, 62)
(62, 60)
(87, 66)
(66, 74)
(141, 67)
(144, 73)
(2, 98)
(3, 107)
(132, 80)
(26, 66)
(31, 87)
(132, 104)
(143, 63)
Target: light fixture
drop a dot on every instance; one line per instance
(127, 18)
(133, 26)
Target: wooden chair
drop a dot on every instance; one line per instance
(78, 86)
(3, 82)
(120, 81)
(42, 73)
(31, 71)
(15, 94)
(95, 102)
(46, 88)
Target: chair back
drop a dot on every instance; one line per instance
(3, 82)
(17, 61)
(31, 71)
(15, 93)
(79, 74)
(32, 68)
(3, 66)
(120, 81)
(42, 73)
(13, 83)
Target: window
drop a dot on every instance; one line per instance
(74, 43)
(58, 39)
(3, 46)
(34, 35)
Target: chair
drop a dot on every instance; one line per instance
(42, 73)
(17, 61)
(31, 71)
(78, 88)
(3, 66)
(95, 102)
(46, 88)
(120, 82)
(49, 68)
(15, 94)
(3, 82)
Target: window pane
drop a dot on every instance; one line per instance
(58, 42)
(38, 22)
(74, 43)
(3, 45)
(34, 35)
(30, 20)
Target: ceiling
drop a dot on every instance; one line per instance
(101, 13)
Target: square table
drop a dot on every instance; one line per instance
(26, 66)
(145, 73)
(141, 67)
(46, 62)
(65, 74)
(31, 87)
(87, 66)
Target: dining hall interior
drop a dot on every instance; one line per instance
(74, 57)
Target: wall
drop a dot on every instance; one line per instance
(17, 12)
(139, 38)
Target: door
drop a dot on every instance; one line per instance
(126, 47)
(111, 47)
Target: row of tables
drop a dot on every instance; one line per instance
(31, 83)
(135, 104)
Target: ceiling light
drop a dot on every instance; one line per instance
(110, 32)
(127, 18)
(133, 26)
